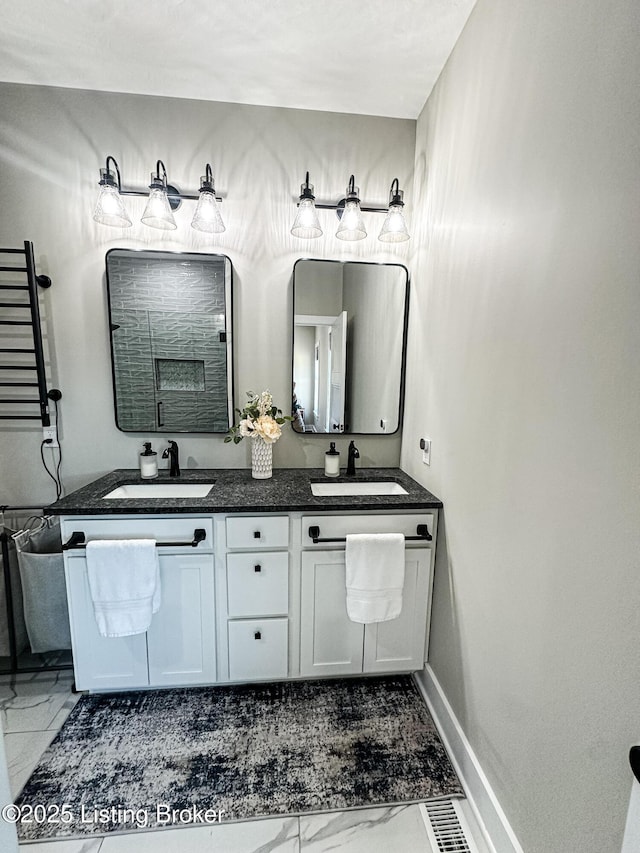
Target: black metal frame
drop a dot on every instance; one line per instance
(14, 669)
(174, 195)
(403, 360)
(422, 532)
(77, 540)
(634, 761)
(33, 282)
(229, 311)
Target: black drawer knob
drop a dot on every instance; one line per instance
(257, 635)
(257, 568)
(256, 534)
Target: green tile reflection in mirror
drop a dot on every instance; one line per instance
(171, 347)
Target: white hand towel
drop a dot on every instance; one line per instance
(374, 576)
(124, 580)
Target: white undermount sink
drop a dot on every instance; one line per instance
(159, 490)
(327, 490)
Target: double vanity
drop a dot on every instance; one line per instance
(252, 575)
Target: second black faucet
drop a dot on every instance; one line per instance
(171, 453)
(353, 454)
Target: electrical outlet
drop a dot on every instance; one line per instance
(50, 435)
(425, 446)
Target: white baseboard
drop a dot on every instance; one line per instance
(490, 816)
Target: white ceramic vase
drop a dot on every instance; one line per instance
(261, 458)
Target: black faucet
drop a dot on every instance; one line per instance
(354, 454)
(171, 453)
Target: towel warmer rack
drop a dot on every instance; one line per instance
(26, 281)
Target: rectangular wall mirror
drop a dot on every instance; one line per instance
(171, 349)
(349, 338)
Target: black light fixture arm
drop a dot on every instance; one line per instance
(306, 190)
(106, 175)
(206, 183)
(158, 180)
(396, 195)
(351, 196)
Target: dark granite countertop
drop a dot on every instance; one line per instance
(235, 490)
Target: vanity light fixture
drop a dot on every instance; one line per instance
(351, 223)
(157, 213)
(163, 199)
(110, 209)
(349, 211)
(207, 216)
(394, 227)
(306, 224)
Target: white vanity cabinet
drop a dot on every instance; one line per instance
(330, 643)
(256, 600)
(179, 646)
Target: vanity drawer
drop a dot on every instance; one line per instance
(259, 531)
(339, 526)
(166, 529)
(258, 584)
(258, 649)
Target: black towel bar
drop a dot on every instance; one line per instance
(77, 540)
(422, 530)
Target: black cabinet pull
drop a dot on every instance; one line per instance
(256, 534)
(257, 568)
(160, 416)
(257, 635)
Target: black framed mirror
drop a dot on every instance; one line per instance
(349, 343)
(170, 316)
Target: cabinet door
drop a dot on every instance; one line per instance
(330, 643)
(100, 663)
(181, 637)
(398, 644)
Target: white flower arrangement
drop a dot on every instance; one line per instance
(259, 419)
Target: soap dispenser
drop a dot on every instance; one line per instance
(332, 461)
(148, 462)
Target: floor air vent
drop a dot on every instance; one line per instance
(447, 828)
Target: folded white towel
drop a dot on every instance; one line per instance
(124, 580)
(374, 576)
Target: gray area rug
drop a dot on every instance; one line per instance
(194, 756)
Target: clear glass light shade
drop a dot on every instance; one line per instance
(110, 209)
(394, 227)
(351, 225)
(306, 224)
(157, 213)
(207, 216)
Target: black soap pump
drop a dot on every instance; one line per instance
(332, 461)
(148, 462)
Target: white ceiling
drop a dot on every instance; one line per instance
(372, 57)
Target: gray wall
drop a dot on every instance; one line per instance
(52, 144)
(523, 370)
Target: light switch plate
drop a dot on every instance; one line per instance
(425, 444)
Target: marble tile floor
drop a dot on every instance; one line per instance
(34, 708)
